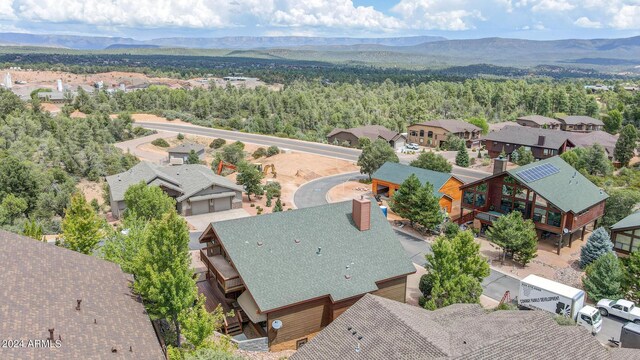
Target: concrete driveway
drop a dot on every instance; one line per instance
(200, 222)
(132, 146)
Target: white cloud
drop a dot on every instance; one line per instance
(438, 14)
(628, 17)
(552, 5)
(6, 10)
(585, 22)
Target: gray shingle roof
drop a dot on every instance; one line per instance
(540, 120)
(398, 173)
(630, 221)
(577, 120)
(528, 136)
(372, 132)
(281, 272)
(454, 126)
(190, 179)
(603, 138)
(567, 189)
(186, 148)
(393, 330)
(40, 286)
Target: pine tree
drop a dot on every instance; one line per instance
(427, 208)
(163, 270)
(251, 178)
(516, 235)
(82, 228)
(403, 200)
(278, 206)
(455, 272)
(33, 230)
(598, 244)
(603, 278)
(612, 121)
(462, 158)
(525, 156)
(632, 277)
(626, 144)
(193, 158)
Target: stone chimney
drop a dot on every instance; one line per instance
(361, 213)
(541, 139)
(499, 165)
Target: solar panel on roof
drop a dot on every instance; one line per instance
(537, 172)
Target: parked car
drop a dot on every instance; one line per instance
(620, 308)
(412, 146)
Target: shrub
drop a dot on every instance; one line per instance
(180, 136)
(273, 189)
(252, 205)
(217, 143)
(273, 150)
(260, 152)
(160, 142)
(564, 321)
(238, 144)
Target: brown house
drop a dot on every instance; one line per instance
(543, 143)
(560, 201)
(290, 274)
(372, 132)
(625, 234)
(537, 121)
(446, 187)
(580, 123)
(434, 133)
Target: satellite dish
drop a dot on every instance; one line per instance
(565, 230)
(276, 324)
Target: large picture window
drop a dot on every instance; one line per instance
(540, 215)
(554, 218)
(468, 197)
(481, 200)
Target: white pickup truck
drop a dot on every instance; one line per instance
(620, 308)
(539, 293)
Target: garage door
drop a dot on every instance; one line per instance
(199, 207)
(222, 204)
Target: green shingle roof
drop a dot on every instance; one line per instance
(287, 269)
(567, 189)
(397, 173)
(630, 221)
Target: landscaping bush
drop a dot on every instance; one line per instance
(273, 150)
(273, 189)
(217, 143)
(160, 143)
(260, 152)
(180, 136)
(238, 144)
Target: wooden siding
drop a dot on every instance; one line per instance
(298, 321)
(452, 188)
(538, 152)
(394, 289)
(576, 222)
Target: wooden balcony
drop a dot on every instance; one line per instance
(214, 298)
(220, 270)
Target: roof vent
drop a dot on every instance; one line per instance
(51, 334)
(348, 277)
(260, 243)
(297, 241)
(79, 301)
(114, 350)
(349, 328)
(319, 252)
(95, 321)
(358, 348)
(359, 337)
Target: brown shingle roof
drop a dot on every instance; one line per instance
(528, 136)
(577, 120)
(372, 132)
(40, 285)
(387, 329)
(603, 138)
(453, 126)
(540, 120)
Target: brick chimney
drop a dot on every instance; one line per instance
(361, 213)
(499, 165)
(541, 139)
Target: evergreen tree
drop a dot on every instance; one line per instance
(455, 271)
(251, 178)
(193, 158)
(163, 270)
(33, 230)
(374, 155)
(147, 202)
(525, 156)
(595, 160)
(278, 206)
(462, 158)
(515, 235)
(613, 121)
(403, 200)
(626, 144)
(427, 208)
(619, 205)
(11, 208)
(431, 161)
(82, 228)
(598, 244)
(603, 278)
(632, 277)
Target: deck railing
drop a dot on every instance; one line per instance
(228, 285)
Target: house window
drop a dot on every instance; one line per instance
(540, 215)
(506, 205)
(300, 343)
(554, 218)
(430, 134)
(413, 133)
(507, 190)
(421, 133)
(521, 193)
(540, 201)
(468, 197)
(481, 200)
(545, 152)
(482, 187)
(623, 242)
(521, 206)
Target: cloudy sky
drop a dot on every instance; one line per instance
(144, 19)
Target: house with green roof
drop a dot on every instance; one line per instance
(556, 197)
(446, 187)
(625, 234)
(292, 273)
(196, 189)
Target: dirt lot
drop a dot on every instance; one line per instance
(91, 190)
(347, 191)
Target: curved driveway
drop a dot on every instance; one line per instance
(314, 192)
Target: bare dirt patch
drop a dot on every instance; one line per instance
(347, 191)
(91, 190)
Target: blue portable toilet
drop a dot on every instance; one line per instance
(384, 210)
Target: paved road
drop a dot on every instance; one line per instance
(611, 327)
(132, 147)
(314, 193)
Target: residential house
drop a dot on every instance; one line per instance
(560, 201)
(434, 133)
(379, 329)
(500, 125)
(625, 234)
(580, 123)
(292, 273)
(587, 139)
(446, 187)
(62, 304)
(372, 132)
(196, 189)
(543, 143)
(178, 155)
(538, 121)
